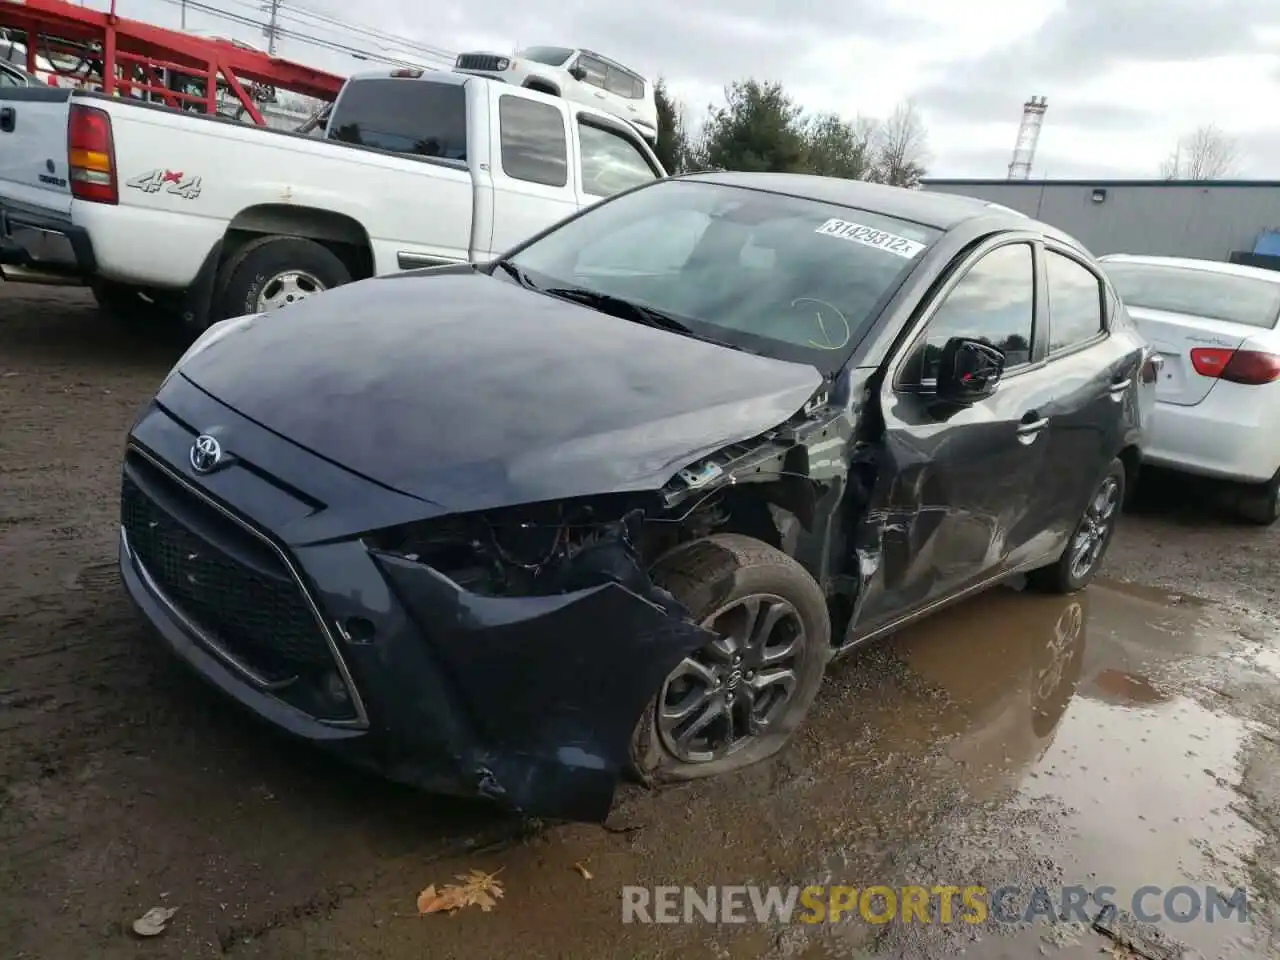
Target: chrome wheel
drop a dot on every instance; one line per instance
(720, 698)
(1095, 527)
(286, 288)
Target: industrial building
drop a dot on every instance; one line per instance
(1210, 219)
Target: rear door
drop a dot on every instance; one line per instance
(33, 147)
(957, 487)
(1095, 359)
(1194, 318)
(532, 165)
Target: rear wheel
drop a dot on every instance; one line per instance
(274, 272)
(1261, 505)
(1082, 558)
(737, 700)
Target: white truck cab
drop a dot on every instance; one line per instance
(214, 218)
(578, 75)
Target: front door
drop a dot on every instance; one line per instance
(956, 487)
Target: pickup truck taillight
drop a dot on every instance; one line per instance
(91, 155)
(1251, 367)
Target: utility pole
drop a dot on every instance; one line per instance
(270, 29)
(184, 14)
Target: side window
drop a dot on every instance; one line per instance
(597, 72)
(610, 162)
(622, 83)
(533, 141)
(994, 302)
(1075, 302)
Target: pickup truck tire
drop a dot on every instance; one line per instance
(270, 272)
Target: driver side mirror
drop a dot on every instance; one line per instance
(578, 72)
(968, 371)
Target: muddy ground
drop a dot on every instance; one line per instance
(1127, 736)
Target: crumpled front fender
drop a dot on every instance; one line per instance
(552, 686)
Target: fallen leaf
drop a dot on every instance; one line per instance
(152, 923)
(477, 889)
(586, 874)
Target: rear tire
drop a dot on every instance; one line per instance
(1084, 553)
(765, 679)
(1261, 506)
(259, 275)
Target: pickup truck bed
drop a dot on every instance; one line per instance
(212, 218)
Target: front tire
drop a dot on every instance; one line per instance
(739, 699)
(272, 272)
(1082, 558)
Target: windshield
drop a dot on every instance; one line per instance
(1199, 293)
(553, 56)
(791, 278)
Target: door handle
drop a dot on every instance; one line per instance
(600, 95)
(1119, 387)
(8, 119)
(1031, 426)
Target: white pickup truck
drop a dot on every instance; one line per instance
(206, 218)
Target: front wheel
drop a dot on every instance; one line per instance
(737, 700)
(1082, 558)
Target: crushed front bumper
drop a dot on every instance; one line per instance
(529, 702)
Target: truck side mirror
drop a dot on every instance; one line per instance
(578, 72)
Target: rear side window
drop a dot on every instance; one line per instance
(403, 116)
(1200, 293)
(623, 84)
(533, 141)
(1075, 302)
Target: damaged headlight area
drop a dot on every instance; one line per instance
(544, 549)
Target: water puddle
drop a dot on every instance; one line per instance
(1013, 740)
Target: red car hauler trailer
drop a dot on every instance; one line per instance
(129, 58)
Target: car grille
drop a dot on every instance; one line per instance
(226, 582)
(479, 61)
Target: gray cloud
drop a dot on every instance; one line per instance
(1084, 39)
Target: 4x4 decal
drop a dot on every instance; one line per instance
(176, 182)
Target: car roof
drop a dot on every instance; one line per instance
(1190, 263)
(428, 73)
(941, 210)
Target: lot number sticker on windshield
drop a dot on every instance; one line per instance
(870, 237)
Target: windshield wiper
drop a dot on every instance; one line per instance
(626, 309)
(517, 274)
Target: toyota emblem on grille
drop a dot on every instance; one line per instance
(205, 453)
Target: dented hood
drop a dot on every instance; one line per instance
(472, 392)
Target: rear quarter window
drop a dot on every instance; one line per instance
(1200, 293)
(403, 116)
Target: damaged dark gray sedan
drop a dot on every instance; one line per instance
(612, 503)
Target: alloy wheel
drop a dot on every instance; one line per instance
(286, 288)
(1095, 527)
(723, 696)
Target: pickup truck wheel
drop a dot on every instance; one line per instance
(274, 272)
(738, 699)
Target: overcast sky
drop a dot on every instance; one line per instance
(1123, 77)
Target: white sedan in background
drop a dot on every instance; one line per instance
(1218, 394)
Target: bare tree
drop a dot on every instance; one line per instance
(1204, 154)
(902, 147)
